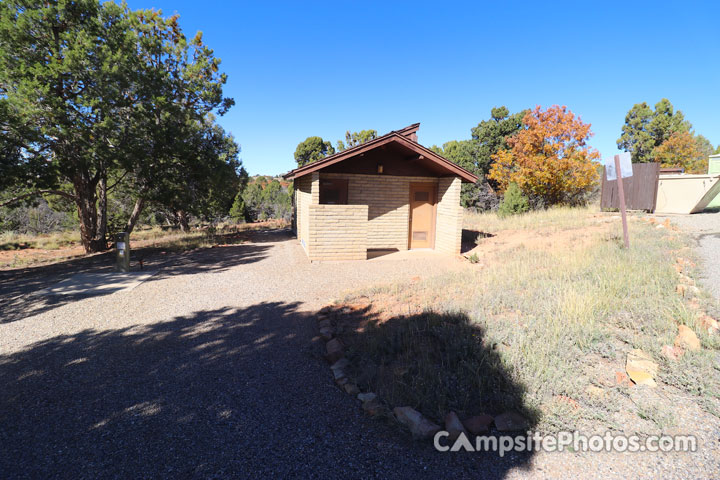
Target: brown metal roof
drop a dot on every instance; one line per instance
(405, 136)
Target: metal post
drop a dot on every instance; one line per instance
(621, 192)
(122, 249)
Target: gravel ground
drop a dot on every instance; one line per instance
(705, 229)
(212, 369)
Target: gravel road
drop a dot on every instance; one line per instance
(705, 229)
(212, 369)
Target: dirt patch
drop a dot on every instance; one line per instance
(10, 258)
(489, 246)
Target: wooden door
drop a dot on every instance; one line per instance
(422, 215)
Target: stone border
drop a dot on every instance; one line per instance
(640, 367)
(687, 289)
(420, 427)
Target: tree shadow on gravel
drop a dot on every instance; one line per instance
(241, 393)
(18, 288)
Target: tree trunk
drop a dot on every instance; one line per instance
(137, 210)
(101, 233)
(182, 219)
(87, 213)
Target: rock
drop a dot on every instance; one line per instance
(370, 404)
(623, 380)
(708, 324)
(340, 364)
(327, 333)
(686, 290)
(640, 368)
(672, 353)
(569, 401)
(373, 408)
(454, 426)
(510, 422)
(595, 391)
(339, 375)
(334, 350)
(420, 427)
(686, 338)
(351, 389)
(478, 424)
(686, 280)
(366, 397)
(325, 323)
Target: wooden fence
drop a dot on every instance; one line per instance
(640, 189)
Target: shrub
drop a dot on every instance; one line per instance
(36, 218)
(265, 200)
(681, 150)
(514, 202)
(549, 159)
(237, 211)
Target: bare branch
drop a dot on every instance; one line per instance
(36, 193)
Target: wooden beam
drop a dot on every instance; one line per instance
(394, 137)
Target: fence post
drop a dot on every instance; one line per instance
(621, 192)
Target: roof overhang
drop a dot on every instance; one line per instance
(405, 138)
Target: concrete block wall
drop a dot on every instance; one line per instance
(315, 188)
(303, 200)
(337, 232)
(448, 225)
(387, 198)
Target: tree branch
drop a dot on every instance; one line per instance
(60, 193)
(117, 181)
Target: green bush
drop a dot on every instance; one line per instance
(237, 211)
(514, 202)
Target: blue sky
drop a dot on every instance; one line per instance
(298, 69)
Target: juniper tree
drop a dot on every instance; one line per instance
(93, 92)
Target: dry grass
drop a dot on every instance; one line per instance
(563, 303)
(24, 250)
(555, 218)
(51, 241)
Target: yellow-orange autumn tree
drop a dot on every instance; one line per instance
(681, 150)
(549, 159)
